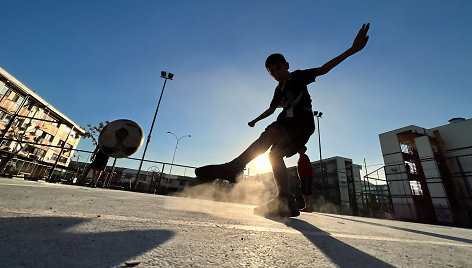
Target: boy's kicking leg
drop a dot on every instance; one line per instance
(229, 171)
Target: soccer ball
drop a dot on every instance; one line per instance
(121, 138)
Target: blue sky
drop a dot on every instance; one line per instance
(101, 60)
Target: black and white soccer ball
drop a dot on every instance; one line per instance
(121, 138)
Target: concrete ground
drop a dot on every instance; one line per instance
(54, 225)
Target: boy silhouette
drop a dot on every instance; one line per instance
(285, 136)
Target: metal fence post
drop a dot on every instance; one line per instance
(59, 156)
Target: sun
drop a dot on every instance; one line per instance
(262, 162)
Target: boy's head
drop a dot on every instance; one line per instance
(302, 150)
(277, 67)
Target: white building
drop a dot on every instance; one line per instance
(429, 172)
(338, 189)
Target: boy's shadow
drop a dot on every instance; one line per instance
(52, 242)
(443, 236)
(340, 253)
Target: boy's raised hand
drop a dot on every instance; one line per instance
(361, 39)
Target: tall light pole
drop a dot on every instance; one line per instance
(166, 76)
(176, 144)
(318, 116)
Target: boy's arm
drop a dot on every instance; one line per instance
(265, 114)
(359, 43)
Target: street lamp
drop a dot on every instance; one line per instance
(177, 143)
(166, 76)
(318, 116)
(177, 139)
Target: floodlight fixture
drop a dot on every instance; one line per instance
(315, 113)
(163, 74)
(320, 114)
(170, 76)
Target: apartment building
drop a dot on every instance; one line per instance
(25, 116)
(429, 172)
(336, 188)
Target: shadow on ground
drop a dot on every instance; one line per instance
(340, 253)
(453, 238)
(47, 242)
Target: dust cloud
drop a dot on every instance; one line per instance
(324, 206)
(246, 191)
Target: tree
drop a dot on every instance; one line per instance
(94, 131)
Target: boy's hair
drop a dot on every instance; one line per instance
(304, 149)
(274, 58)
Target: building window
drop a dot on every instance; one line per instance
(28, 106)
(47, 136)
(17, 122)
(4, 90)
(330, 168)
(39, 152)
(29, 149)
(17, 98)
(6, 143)
(416, 188)
(68, 130)
(55, 123)
(20, 100)
(5, 116)
(39, 132)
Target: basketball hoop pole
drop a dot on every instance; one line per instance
(166, 76)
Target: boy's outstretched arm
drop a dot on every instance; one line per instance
(265, 114)
(359, 43)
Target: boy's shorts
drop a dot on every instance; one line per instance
(297, 132)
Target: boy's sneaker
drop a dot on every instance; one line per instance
(308, 209)
(227, 171)
(300, 200)
(281, 206)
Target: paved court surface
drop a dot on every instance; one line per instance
(54, 225)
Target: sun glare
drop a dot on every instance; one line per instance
(262, 162)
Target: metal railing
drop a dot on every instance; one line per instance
(375, 194)
(112, 177)
(17, 164)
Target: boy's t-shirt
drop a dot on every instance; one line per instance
(293, 97)
(304, 168)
